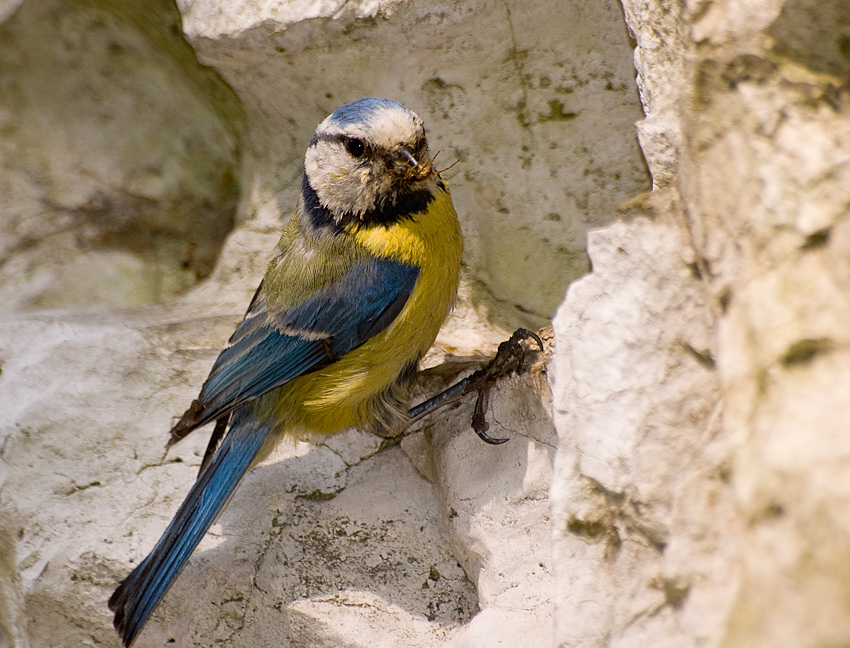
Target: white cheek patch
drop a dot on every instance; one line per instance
(311, 162)
(326, 159)
(338, 180)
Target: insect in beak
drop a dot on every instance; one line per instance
(412, 168)
(439, 171)
(407, 156)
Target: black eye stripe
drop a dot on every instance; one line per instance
(352, 144)
(334, 137)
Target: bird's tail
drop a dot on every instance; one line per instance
(135, 599)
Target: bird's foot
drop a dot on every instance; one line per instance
(509, 359)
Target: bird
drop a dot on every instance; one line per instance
(365, 273)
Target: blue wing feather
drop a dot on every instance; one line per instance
(271, 348)
(359, 306)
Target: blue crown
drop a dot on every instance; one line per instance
(361, 111)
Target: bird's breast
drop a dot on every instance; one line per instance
(346, 392)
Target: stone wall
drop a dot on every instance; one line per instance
(683, 485)
(701, 374)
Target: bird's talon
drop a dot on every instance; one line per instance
(510, 356)
(479, 424)
(479, 417)
(486, 438)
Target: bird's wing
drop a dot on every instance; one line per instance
(272, 347)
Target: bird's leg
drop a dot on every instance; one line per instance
(215, 440)
(508, 359)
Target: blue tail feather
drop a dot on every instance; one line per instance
(137, 597)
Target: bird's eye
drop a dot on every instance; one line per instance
(355, 147)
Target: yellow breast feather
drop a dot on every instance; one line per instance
(343, 394)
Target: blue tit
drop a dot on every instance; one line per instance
(363, 276)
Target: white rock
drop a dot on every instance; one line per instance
(444, 541)
(116, 161)
(535, 101)
(698, 487)
(635, 402)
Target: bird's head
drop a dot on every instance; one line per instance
(368, 162)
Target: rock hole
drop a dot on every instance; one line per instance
(119, 157)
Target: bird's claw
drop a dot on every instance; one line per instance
(509, 359)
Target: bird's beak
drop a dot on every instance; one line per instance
(408, 167)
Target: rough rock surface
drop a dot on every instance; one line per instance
(701, 375)
(118, 157)
(685, 486)
(641, 483)
(121, 161)
(535, 100)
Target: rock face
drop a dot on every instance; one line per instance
(685, 484)
(535, 101)
(700, 379)
(118, 158)
(122, 158)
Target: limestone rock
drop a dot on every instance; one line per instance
(641, 499)
(120, 164)
(697, 463)
(700, 374)
(535, 101)
(118, 160)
